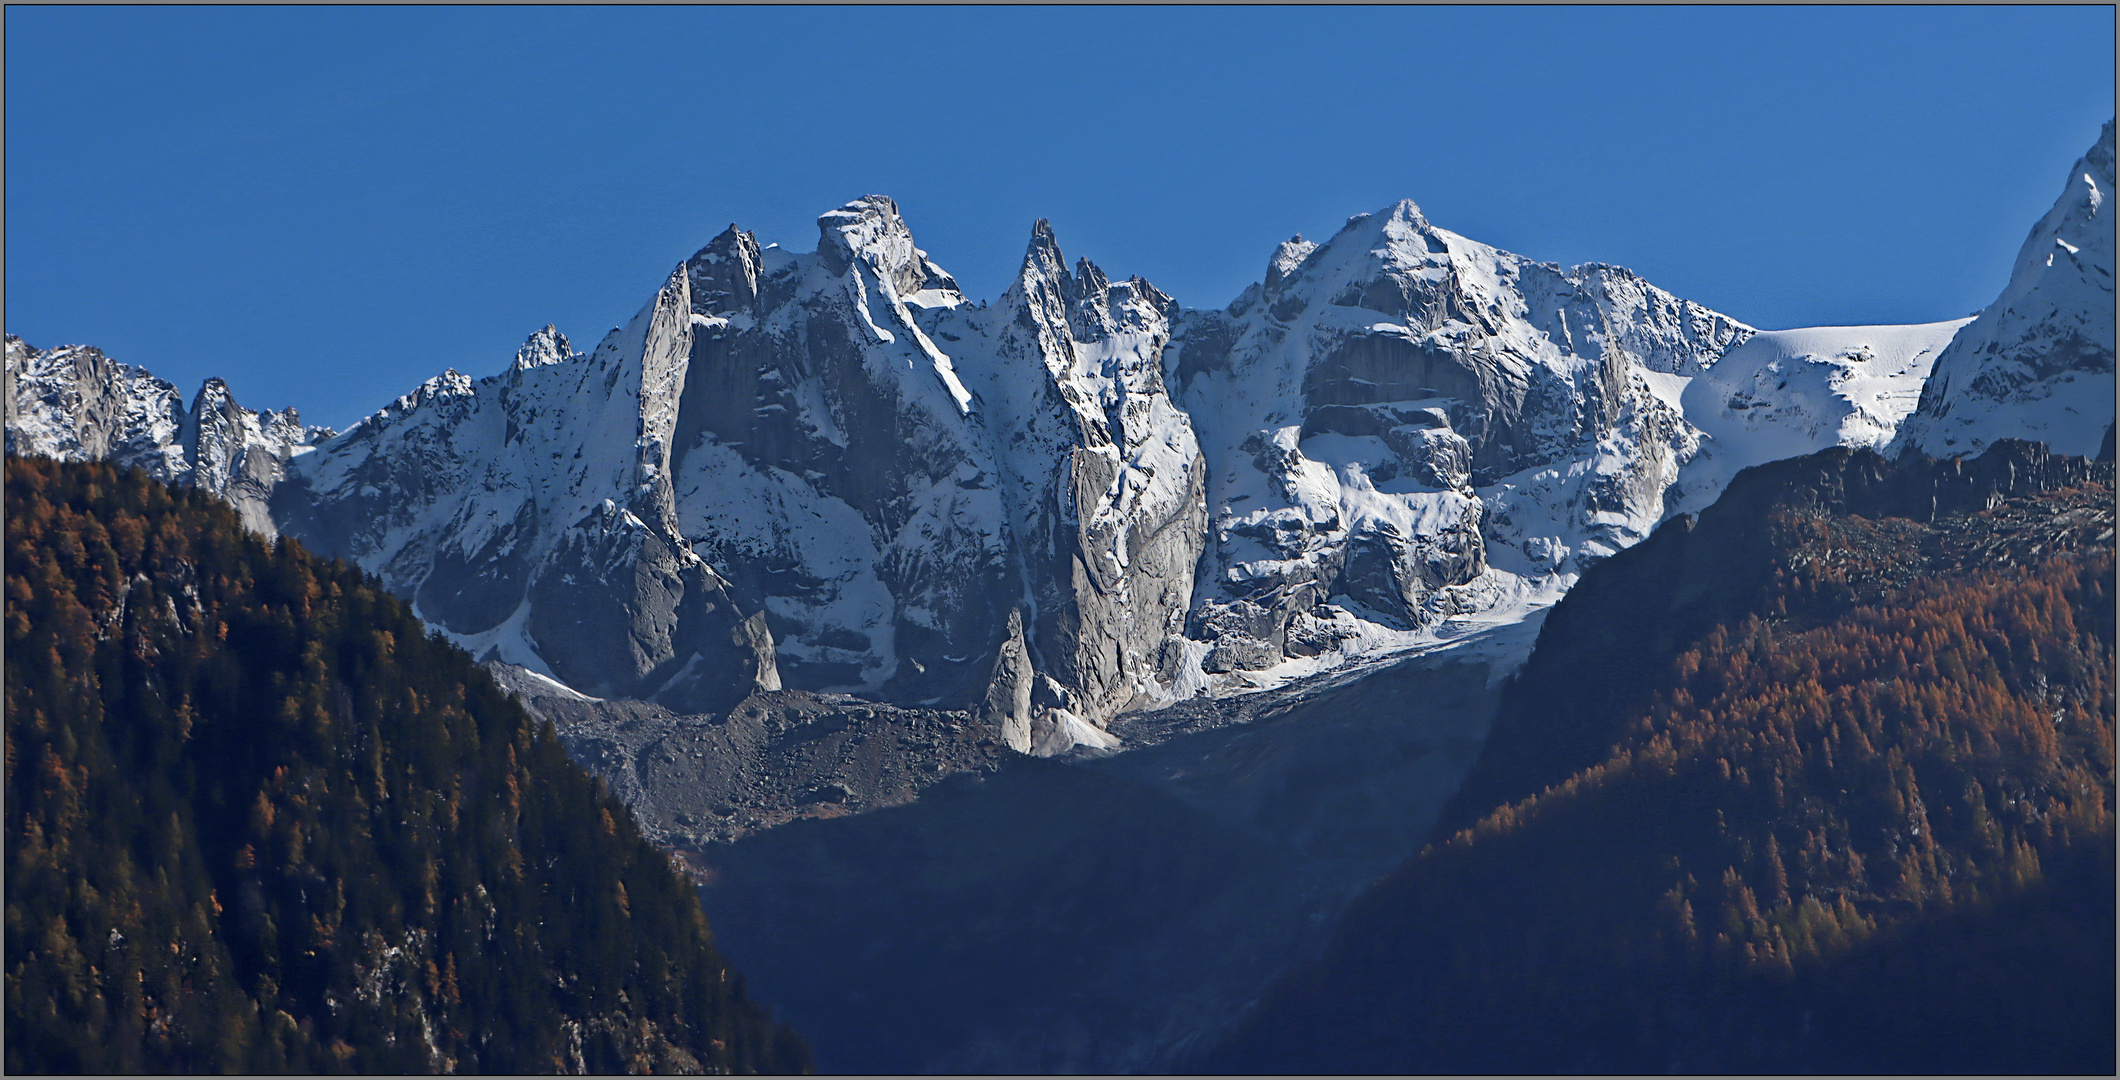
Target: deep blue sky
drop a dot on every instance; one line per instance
(326, 206)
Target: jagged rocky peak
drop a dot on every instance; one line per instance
(1043, 290)
(1103, 481)
(215, 435)
(1085, 300)
(870, 229)
(2038, 362)
(724, 274)
(242, 455)
(451, 386)
(1044, 265)
(1393, 262)
(827, 461)
(1047, 296)
(1289, 255)
(546, 346)
(644, 365)
(73, 403)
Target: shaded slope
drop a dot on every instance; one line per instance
(1612, 638)
(257, 820)
(1805, 786)
(1097, 915)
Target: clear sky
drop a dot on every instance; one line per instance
(327, 206)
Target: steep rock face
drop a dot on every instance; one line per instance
(2038, 363)
(73, 403)
(241, 455)
(1100, 471)
(1393, 414)
(531, 515)
(828, 461)
(614, 595)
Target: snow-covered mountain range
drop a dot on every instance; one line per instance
(832, 470)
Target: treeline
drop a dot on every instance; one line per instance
(1864, 825)
(258, 821)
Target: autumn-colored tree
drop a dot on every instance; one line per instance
(259, 821)
(1856, 815)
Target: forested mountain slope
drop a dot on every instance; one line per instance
(1822, 781)
(259, 821)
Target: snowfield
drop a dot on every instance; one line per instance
(1786, 393)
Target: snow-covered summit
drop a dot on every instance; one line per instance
(870, 229)
(771, 448)
(1387, 412)
(2038, 362)
(546, 346)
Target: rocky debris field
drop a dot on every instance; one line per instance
(695, 779)
(1098, 912)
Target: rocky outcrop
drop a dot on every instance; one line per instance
(1102, 477)
(75, 404)
(1007, 706)
(2038, 362)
